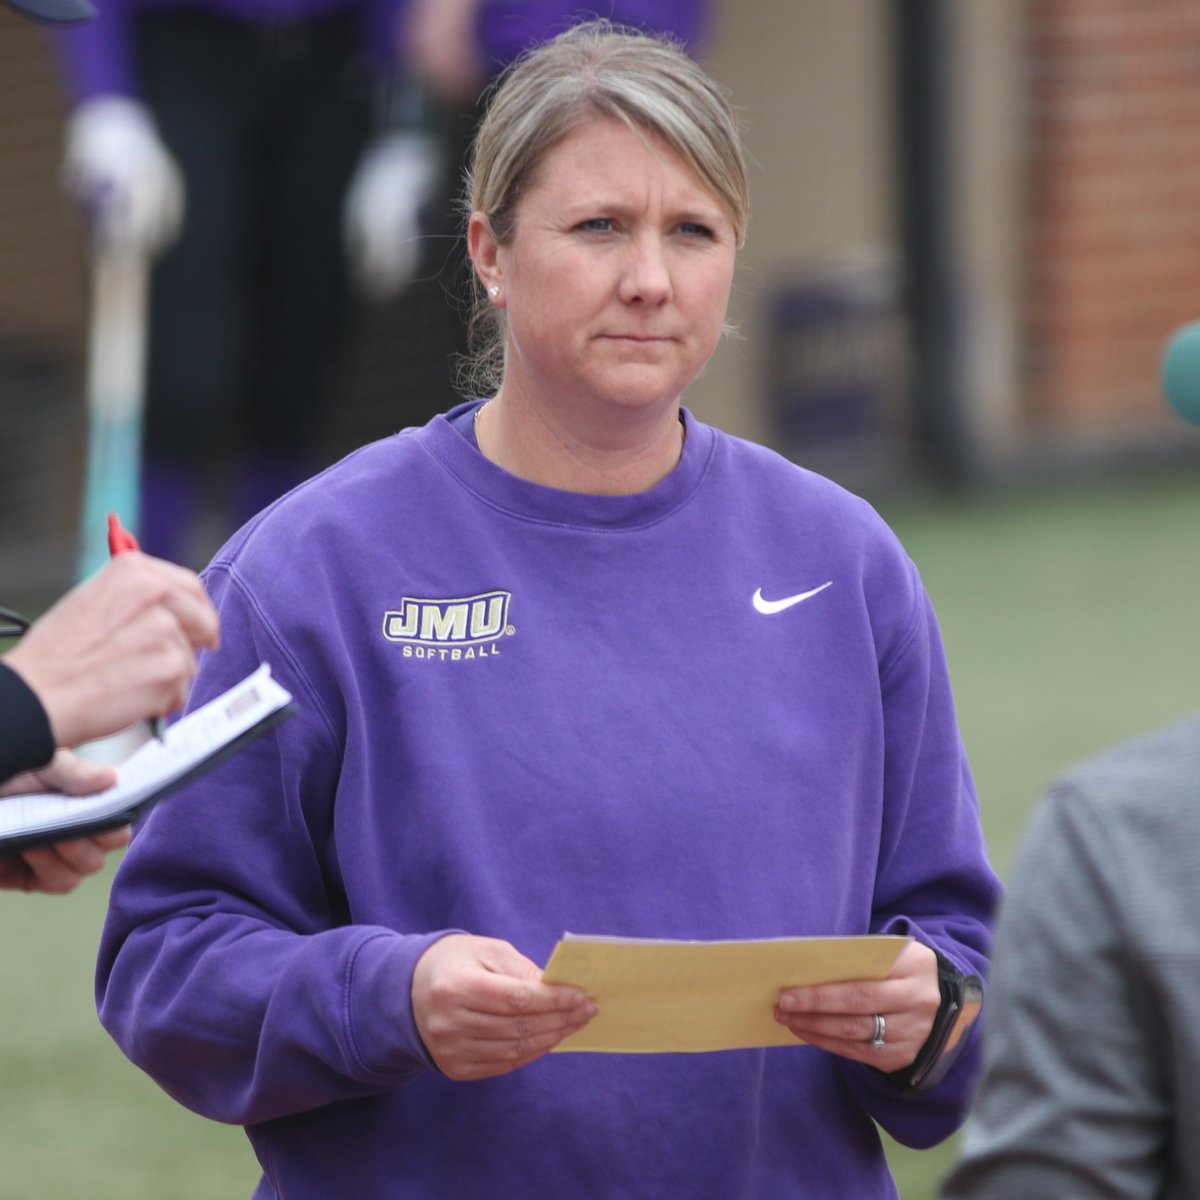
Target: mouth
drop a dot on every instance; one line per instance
(643, 339)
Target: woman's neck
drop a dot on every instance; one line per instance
(621, 457)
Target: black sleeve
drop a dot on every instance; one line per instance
(25, 738)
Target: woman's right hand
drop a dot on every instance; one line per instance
(482, 1010)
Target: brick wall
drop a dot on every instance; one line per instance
(1113, 252)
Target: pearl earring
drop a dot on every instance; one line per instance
(493, 291)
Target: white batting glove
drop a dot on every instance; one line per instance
(382, 216)
(118, 169)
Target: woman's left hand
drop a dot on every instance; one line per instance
(840, 1017)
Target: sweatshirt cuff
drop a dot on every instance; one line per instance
(381, 1029)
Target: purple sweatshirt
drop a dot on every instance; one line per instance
(524, 711)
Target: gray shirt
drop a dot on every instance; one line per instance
(1091, 1084)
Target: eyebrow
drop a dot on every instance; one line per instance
(604, 204)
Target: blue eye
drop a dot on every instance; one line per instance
(596, 225)
(694, 229)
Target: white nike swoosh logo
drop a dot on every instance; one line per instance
(774, 606)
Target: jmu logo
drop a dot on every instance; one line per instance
(464, 621)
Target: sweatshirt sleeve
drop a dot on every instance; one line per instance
(934, 881)
(96, 58)
(28, 740)
(225, 969)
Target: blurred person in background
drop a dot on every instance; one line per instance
(406, 244)
(456, 48)
(1091, 1080)
(115, 650)
(222, 139)
(540, 688)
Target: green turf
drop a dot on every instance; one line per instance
(1069, 621)
(1069, 618)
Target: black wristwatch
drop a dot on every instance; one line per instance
(962, 999)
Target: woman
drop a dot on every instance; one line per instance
(568, 659)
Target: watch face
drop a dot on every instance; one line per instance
(962, 1002)
(969, 1005)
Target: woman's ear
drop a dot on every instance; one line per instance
(484, 251)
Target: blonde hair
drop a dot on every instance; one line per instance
(596, 68)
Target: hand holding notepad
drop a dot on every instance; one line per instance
(658, 996)
(194, 744)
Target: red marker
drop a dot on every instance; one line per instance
(121, 541)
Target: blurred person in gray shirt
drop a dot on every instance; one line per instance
(1091, 1083)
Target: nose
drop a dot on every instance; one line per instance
(647, 276)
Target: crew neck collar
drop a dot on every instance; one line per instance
(452, 442)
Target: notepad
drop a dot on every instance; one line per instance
(661, 996)
(192, 745)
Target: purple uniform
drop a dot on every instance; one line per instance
(100, 56)
(524, 711)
